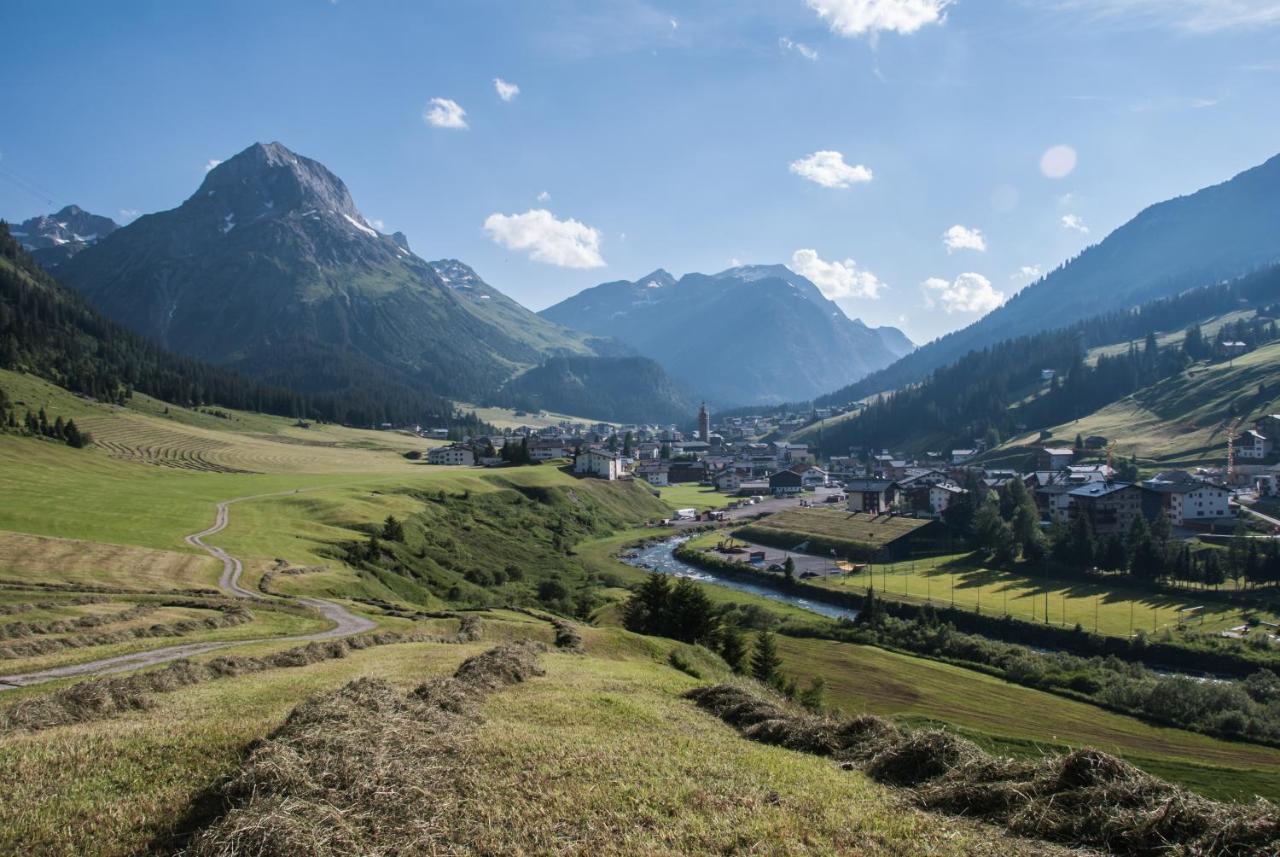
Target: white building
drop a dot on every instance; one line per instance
(455, 454)
(1190, 500)
(654, 473)
(942, 495)
(1251, 444)
(599, 463)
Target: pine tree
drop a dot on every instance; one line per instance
(765, 662)
(789, 570)
(392, 529)
(733, 649)
(690, 615)
(646, 610)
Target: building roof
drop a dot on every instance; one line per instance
(877, 485)
(1058, 450)
(1099, 489)
(1180, 487)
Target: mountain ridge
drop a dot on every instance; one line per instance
(754, 334)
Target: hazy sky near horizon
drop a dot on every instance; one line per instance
(921, 160)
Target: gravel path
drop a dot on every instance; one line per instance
(345, 623)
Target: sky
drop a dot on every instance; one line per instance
(920, 160)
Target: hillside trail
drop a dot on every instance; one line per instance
(345, 623)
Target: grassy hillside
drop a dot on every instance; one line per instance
(1183, 420)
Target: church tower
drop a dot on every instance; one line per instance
(704, 424)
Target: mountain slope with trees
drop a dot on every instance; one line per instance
(998, 392)
(49, 331)
(1217, 233)
(613, 389)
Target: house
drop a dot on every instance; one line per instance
(653, 472)
(1055, 458)
(545, 449)
(1110, 506)
(845, 467)
(1268, 426)
(786, 482)
(1188, 500)
(960, 456)
(599, 463)
(1054, 500)
(753, 488)
(648, 451)
(942, 495)
(1252, 444)
(686, 471)
(456, 454)
(810, 476)
(870, 495)
(729, 480)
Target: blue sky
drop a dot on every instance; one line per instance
(683, 135)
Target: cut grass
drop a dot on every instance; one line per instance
(41, 559)
(1023, 720)
(838, 525)
(1110, 607)
(689, 495)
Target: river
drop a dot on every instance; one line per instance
(660, 557)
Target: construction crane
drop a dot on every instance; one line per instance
(1231, 450)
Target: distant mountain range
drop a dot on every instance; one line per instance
(757, 334)
(1215, 234)
(270, 267)
(52, 239)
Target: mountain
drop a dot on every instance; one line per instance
(612, 389)
(1214, 234)
(270, 268)
(1001, 391)
(756, 334)
(48, 330)
(52, 239)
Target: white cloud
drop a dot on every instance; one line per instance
(376, 224)
(1198, 16)
(1058, 162)
(544, 195)
(966, 293)
(799, 47)
(836, 279)
(445, 113)
(963, 238)
(129, 213)
(829, 170)
(506, 91)
(210, 164)
(567, 243)
(735, 262)
(1027, 274)
(871, 17)
(675, 25)
(1073, 222)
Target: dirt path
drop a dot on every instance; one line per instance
(345, 623)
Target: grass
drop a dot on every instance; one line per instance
(1111, 608)
(1022, 720)
(503, 418)
(840, 525)
(690, 495)
(49, 560)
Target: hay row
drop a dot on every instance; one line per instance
(229, 617)
(1083, 798)
(282, 567)
(11, 630)
(568, 637)
(361, 770)
(36, 586)
(32, 606)
(100, 698)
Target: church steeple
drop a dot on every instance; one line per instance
(704, 424)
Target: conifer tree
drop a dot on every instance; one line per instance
(765, 662)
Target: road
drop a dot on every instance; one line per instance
(345, 623)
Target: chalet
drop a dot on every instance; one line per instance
(686, 471)
(729, 480)
(960, 456)
(1055, 458)
(455, 454)
(1187, 500)
(600, 463)
(786, 482)
(810, 476)
(942, 495)
(845, 467)
(1252, 444)
(1054, 500)
(546, 449)
(648, 452)
(870, 495)
(1110, 506)
(1081, 473)
(1268, 426)
(653, 472)
(753, 488)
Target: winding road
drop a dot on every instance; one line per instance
(345, 622)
